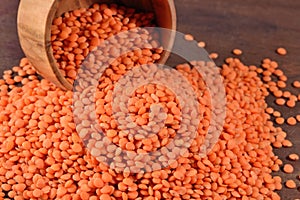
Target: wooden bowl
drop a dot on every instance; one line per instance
(35, 18)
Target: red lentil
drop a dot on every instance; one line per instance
(278, 93)
(280, 101)
(288, 168)
(280, 120)
(293, 157)
(287, 143)
(291, 121)
(189, 37)
(202, 44)
(270, 110)
(291, 103)
(281, 51)
(213, 55)
(296, 84)
(290, 184)
(277, 114)
(287, 94)
(237, 52)
(298, 118)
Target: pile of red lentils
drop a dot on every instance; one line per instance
(42, 155)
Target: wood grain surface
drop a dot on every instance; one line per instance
(257, 27)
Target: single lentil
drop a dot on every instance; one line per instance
(293, 157)
(290, 184)
(237, 52)
(281, 51)
(288, 168)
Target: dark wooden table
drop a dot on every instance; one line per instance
(257, 27)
